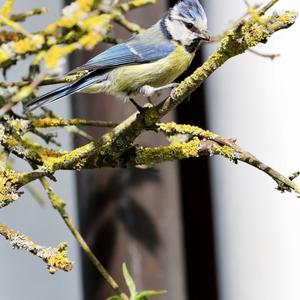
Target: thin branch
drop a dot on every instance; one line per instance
(265, 8)
(130, 26)
(59, 205)
(264, 55)
(45, 81)
(56, 258)
(76, 131)
(134, 4)
(22, 94)
(294, 175)
(23, 16)
(10, 23)
(231, 151)
(57, 122)
(36, 194)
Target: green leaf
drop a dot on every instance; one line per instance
(129, 281)
(114, 298)
(145, 294)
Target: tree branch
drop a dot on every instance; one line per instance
(60, 205)
(56, 258)
(57, 122)
(113, 144)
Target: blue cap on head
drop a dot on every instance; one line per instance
(191, 9)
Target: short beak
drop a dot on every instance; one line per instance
(205, 36)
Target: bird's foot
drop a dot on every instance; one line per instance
(142, 110)
(148, 90)
(142, 114)
(173, 93)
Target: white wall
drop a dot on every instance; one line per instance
(22, 275)
(257, 101)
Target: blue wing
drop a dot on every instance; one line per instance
(127, 53)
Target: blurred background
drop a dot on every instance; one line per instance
(201, 228)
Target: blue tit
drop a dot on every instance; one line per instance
(145, 64)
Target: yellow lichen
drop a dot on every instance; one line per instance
(37, 59)
(55, 53)
(96, 23)
(4, 54)
(252, 11)
(29, 44)
(59, 260)
(19, 124)
(86, 5)
(225, 151)
(56, 258)
(150, 156)
(172, 128)
(74, 77)
(135, 4)
(24, 92)
(90, 40)
(67, 22)
(8, 187)
(7, 22)
(78, 10)
(6, 8)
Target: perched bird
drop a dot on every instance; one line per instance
(145, 64)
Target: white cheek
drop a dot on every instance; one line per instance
(179, 32)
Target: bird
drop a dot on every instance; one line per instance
(145, 64)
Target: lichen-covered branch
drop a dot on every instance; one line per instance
(55, 258)
(60, 206)
(11, 181)
(33, 12)
(213, 144)
(108, 149)
(57, 122)
(237, 40)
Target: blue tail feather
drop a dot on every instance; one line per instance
(63, 91)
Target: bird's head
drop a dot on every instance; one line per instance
(186, 23)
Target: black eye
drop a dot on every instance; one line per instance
(189, 25)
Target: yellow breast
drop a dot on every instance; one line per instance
(129, 79)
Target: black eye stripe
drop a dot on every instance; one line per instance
(191, 27)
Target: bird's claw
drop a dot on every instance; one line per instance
(142, 110)
(173, 94)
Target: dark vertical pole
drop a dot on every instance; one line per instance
(197, 203)
(130, 215)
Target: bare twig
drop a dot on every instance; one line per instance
(36, 194)
(264, 55)
(294, 175)
(265, 8)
